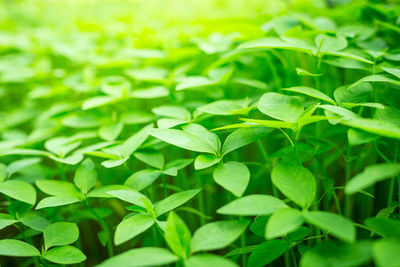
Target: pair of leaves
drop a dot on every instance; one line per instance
(63, 192)
(136, 224)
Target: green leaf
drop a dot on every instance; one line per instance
(150, 93)
(242, 137)
(58, 188)
(287, 44)
(60, 234)
(266, 123)
(252, 205)
(205, 135)
(283, 222)
(18, 165)
(334, 224)
(371, 175)
(129, 146)
(205, 161)
(19, 190)
(374, 126)
(110, 132)
(130, 196)
(175, 201)
(281, 107)
(385, 227)
(327, 43)
(223, 107)
(209, 260)
(182, 139)
(177, 236)
(6, 220)
(65, 255)
(267, 252)
(34, 221)
(141, 257)
(311, 92)
(217, 235)
(386, 253)
(131, 227)
(16, 248)
(153, 158)
(85, 176)
(233, 176)
(142, 179)
(56, 201)
(393, 71)
(295, 182)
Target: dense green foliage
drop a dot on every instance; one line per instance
(200, 133)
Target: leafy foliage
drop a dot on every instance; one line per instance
(200, 133)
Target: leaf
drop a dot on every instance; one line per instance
(177, 236)
(142, 179)
(195, 82)
(205, 135)
(334, 224)
(131, 227)
(272, 42)
(266, 123)
(150, 93)
(153, 158)
(223, 107)
(281, 107)
(65, 255)
(58, 188)
(233, 176)
(327, 43)
(85, 176)
(385, 227)
(34, 221)
(60, 234)
(18, 165)
(182, 139)
(141, 257)
(311, 92)
(283, 222)
(205, 161)
(130, 196)
(242, 137)
(16, 248)
(371, 175)
(217, 235)
(6, 220)
(374, 126)
(393, 71)
(252, 205)
(295, 182)
(386, 253)
(130, 145)
(209, 260)
(56, 201)
(267, 252)
(175, 201)
(19, 190)
(101, 192)
(97, 101)
(176, 112)
(110, 132)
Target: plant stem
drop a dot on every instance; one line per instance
(164, 185)
(347, 178)
(104, 225)
(200, 199)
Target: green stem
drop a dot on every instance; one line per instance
(243, 245)
(347, 177)
(164, 185)
(268, 164)
(104, 225)
(200, 198)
